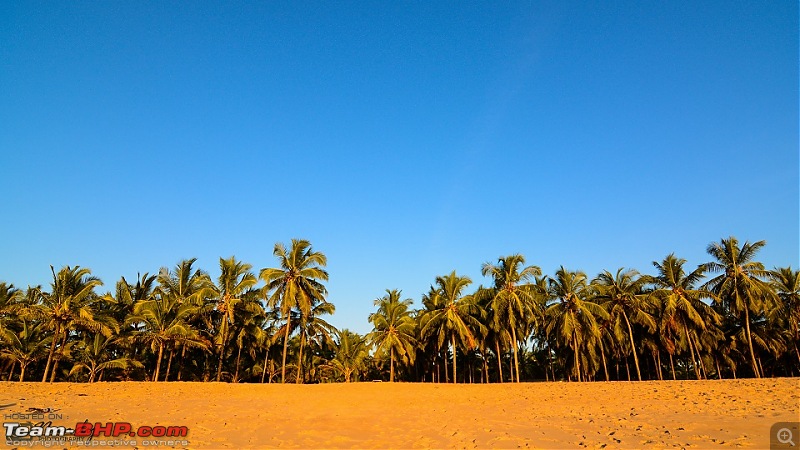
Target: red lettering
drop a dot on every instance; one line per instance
(83, 429)
(100, 430)
(122, 428)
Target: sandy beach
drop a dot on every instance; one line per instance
(682, 414)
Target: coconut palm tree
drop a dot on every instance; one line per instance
(786, 283)
(69, 305)
(572, 317)
(682, 313)
(313, 329)
(456, 320)
(621, 294)
(296, 284)
(185, 284)
(94, 354)
(393, 329)
(740, 287)
(266, 338)
(25, 346)
(515, 301)
(163, 323)
(234, 291)
(10, 305)
(497, 335)
(129, 294)
(351, 351)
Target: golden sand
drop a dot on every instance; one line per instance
(668, 414)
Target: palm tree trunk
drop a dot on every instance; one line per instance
(391, 366)
(446, 373)
(702, 365)
(22, 372)
(485, 378)
(691, 350)
(57, 358)
(657, 362)
(719, 372)
(750, 341)
(300, 377)
(499, 362)
(264, 368)
(628, 368)
(602, 355)
(577, 358)
(169, 363)
(11, 371)
(158, 363)
(514, 342)
(468, 378)
(55, 368)
(760, 367)
(633, 345)
(285, 345)
(797, 352)
(453, 338)
(672, 366)
(238, 360)
(222, 347)
(180, 362)
(56, 336)
(264, 371)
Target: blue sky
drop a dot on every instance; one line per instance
(404, 140)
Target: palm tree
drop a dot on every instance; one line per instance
(266, 338)
(25, 347)
(786, 282)
(94, 355)
(187, 285)
(10, 305)
(456, 319)
(163, 323)
(514, 301)
(129, 294)
(233, 291)
(621, 294)
(351, 351)
(313, 329)
(69, 305)
(740, 287)
(572, 318)
(393, 329)
(296, 284)
(682, 310)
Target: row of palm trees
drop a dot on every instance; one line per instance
(728, 317)
(212, 330)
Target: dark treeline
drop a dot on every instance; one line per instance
(727, 318)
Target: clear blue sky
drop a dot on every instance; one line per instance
(404, 140)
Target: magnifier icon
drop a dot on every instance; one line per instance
(785, 436)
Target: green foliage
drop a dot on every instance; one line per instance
(727, 317)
